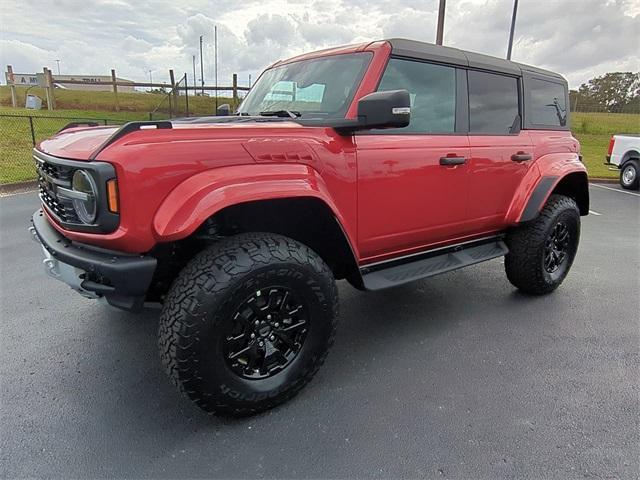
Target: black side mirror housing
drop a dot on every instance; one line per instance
(223, 110)
(390, 109)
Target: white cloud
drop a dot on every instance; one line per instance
(578, 38)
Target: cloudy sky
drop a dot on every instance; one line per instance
(578, 38)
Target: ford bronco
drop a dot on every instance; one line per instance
(380, 163)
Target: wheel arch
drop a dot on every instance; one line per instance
(290, 200)
(573, 184)
(628, 156)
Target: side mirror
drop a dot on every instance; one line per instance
(390, 109)
(223, 110)
(385, 110)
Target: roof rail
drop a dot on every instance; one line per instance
(126, 129)
(79, 124)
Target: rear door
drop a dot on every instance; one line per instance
(501, 153)
(408, 196)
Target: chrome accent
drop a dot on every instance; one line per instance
(65, 273)
(75, 194)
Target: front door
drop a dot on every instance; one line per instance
(412, 182)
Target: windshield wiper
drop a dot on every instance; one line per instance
(281, 113)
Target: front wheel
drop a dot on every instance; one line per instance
(541, 252)
(248, 322)
(629, 178)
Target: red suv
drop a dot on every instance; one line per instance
(380, 163)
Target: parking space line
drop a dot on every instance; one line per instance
(615, 190)
(591, 212)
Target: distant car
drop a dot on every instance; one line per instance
(624, 153)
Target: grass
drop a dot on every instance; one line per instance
(16, 163)
(593, 130)
(138, 102)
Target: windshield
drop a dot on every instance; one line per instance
(321, 87)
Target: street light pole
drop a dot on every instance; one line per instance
(440, 30)
(201, 68)
(58, 62)
(194, 74)
(513, 28)
(150, 77)
(215, 54)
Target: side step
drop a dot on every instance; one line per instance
(396, 272)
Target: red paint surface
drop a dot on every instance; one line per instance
(389, 192)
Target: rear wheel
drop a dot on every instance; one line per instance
(541, 252)
(629, 178)
(248, 322)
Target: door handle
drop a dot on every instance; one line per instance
(521, 157)
(452, 160)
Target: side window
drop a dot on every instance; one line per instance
(547, 103)
(433, 94)
(493, 103)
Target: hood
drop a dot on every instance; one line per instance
(82, 143)
(77, 143)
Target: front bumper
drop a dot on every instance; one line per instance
(123, 279)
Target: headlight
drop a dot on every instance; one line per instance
(84, 202)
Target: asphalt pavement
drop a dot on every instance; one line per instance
(458, 376)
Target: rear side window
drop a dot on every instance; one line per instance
(433, 95)
(493, 103)
(547, 103)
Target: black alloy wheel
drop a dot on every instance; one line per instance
(556, 247)
(267, 333)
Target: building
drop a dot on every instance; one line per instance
(89, 82)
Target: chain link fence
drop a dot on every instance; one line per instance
(186, 100)
(20, 133)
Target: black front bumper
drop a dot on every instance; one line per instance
(123, 279)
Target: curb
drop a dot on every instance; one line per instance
(20, 187)
(603, 180)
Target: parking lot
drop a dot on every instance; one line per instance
(458, 376)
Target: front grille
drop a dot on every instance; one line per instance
(51, 176)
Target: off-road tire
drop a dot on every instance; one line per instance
(199, 303)
(630, 175)
(525, 262)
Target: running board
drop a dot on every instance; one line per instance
(396, 272)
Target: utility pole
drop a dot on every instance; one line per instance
(201, 68)
(513, 28)
(440, 30)
(58, 62)
(215, 54)
(194, 75)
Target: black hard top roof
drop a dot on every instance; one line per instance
(438, 53)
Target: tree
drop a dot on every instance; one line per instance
(611, 90)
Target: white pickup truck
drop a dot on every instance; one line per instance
(624, 153)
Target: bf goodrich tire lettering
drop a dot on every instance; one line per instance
(199, 311)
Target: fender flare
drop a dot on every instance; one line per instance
(206, 193)
(540, 182)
